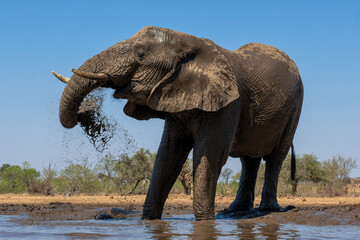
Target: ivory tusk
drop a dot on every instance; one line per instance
(93, 76)
(61, 78)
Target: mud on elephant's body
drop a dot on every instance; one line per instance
(244, 103)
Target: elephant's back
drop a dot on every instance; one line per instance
(273, 89)
(254, 54)
(271, 81)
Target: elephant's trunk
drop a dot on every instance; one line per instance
(72, 96)
(91, 75)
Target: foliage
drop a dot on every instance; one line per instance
(308, 170)
(227, 189)
(178, 187)
(77, 178)
(16, 179)
(3, 168)
(46, 186)
(313, 178)
(10, 180)
(225, 174)
(236, 177)
(126, 174)
(337, 170)
(106, 173)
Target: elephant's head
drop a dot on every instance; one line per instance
(158, 70)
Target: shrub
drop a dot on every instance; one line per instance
(16, 179)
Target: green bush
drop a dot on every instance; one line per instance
(76, 178)
(177, 188)
(337, 180)
(124, 174)
(16, 179)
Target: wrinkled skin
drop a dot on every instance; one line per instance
(244, 103)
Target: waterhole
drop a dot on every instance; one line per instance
(175, 227)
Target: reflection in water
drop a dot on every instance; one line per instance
(246, 231)
(158, 229)
(219, 229)
(204, 230)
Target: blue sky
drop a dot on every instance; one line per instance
(322, 37)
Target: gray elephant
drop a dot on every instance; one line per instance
(244, 103)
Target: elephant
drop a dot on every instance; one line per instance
(219, 103)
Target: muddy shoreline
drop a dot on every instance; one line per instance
(308, 211)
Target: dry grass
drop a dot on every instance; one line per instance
(173, 200)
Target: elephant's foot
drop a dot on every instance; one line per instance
(204, 217)
(267, 210)
(203, 210)
(238, 209)
(151, 213)
(147, 216)
(236, 213)
(273, 206)
(269, 205)
(250, 213)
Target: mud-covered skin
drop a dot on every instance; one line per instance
(244, 103)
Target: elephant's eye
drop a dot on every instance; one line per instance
(187, 56)
(140, 53)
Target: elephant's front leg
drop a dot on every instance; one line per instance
(211, 150)
(206, 173)
(269, 193)
(174, 148)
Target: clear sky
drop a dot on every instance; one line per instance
(322, 37)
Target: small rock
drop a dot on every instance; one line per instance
(103, 216)
(118, 211)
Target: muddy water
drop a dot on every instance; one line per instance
(177, 227)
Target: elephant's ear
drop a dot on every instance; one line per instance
(204, 79)
(141, 112)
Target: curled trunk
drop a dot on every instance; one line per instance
(71, 98)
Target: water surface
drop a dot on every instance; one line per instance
(178, 227)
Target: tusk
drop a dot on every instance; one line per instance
(61, 78)
(93, 76)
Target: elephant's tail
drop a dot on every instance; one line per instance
(293, 163)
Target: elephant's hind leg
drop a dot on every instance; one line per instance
(174, 148)
(269, 193)
(274, 163)
(245, 195)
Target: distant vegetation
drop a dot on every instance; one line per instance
(328, 178)
(131, 175)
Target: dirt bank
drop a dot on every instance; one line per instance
(313, 211)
